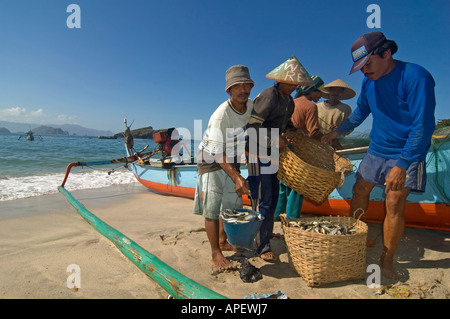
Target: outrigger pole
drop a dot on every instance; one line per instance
(175, 283)
(127, 160)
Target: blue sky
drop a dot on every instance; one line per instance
(162, 63)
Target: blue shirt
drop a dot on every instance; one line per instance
(402, 104)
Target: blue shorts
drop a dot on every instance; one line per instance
(374, 169)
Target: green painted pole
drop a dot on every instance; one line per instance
(175, 283)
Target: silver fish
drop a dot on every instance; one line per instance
(323, 227)
(234, 216)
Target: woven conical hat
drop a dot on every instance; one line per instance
(291, 72)
(348, 91)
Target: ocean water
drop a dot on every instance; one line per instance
(36, 168)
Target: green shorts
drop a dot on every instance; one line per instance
(219, 192)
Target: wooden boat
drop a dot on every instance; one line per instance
(30, 136)
(429, 210)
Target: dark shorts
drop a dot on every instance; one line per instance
(374, 169)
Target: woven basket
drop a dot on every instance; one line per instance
(313, 169)
(321, 258)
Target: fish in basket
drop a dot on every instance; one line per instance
(326, 249)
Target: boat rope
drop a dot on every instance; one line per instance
(175, 283)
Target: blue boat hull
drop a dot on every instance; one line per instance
(423, 210)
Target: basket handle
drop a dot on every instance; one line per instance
(361, 215)
(283, 219)
(342, 181)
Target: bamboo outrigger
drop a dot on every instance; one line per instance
(176, 284)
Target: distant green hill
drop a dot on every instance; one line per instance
(144, 132)
(72, 129)
(49, 130)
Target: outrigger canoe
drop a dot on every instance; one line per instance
(428, 210)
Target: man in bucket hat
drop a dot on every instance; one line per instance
(272, 111)
(400, 97)
(219, 182)
(332, 112)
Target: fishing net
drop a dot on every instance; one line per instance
(355, 140)
(438, 161)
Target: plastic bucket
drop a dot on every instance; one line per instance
(242, 235)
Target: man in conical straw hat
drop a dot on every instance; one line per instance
(291, 72)
(332, 112)
(305, 120)
(270, 118)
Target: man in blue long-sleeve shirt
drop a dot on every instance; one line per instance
(400, 97)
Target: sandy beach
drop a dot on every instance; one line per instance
(42, 236)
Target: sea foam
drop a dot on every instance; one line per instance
(12, 188)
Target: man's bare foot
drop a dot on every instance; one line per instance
(268, 256)
(228, 247)
(387, 268)
(388, 272)
(221, 263)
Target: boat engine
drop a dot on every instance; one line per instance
(165, 143)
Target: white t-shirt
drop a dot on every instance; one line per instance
(226, 131)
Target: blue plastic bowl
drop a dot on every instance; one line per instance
(242, 235)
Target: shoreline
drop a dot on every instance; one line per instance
(43, 235)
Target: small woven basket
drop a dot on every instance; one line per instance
(313, 169)
(322, 258)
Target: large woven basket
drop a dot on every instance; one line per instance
(313, 169)
(322, 258)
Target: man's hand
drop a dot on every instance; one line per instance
(328, 138)
(281, 143)
(242, 187)
(333, 127)
(395, 180)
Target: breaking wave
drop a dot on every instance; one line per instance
(12, 188)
